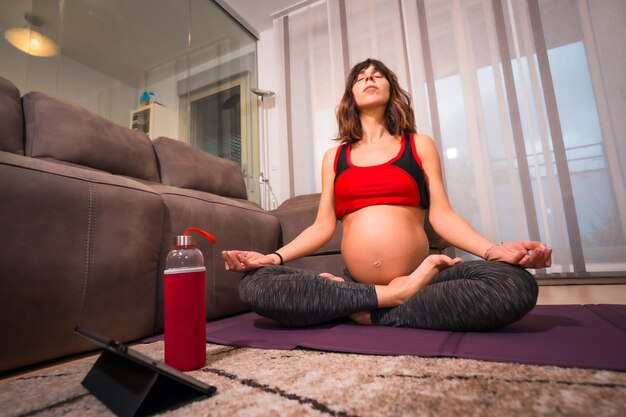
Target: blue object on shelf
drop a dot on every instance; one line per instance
(147, 97)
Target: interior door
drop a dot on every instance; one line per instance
(221, 122)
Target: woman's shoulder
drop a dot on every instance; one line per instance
(329, 157)
(424, 143)
(421, 138)
(332, 151)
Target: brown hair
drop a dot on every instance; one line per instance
(399, 117)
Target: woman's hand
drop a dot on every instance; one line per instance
(242, 261)
(526, 254)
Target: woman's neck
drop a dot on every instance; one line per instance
(373, 127)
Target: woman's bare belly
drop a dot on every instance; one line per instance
(383, 242)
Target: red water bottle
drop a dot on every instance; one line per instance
(185, 304)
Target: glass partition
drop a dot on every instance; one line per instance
(180, 69)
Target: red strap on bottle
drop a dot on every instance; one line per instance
(202, 232)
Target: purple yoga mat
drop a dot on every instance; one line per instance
(584, 336)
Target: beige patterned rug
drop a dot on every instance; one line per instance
(253, 382)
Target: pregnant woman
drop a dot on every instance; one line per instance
(379, 181)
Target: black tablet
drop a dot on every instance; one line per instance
(121, 349)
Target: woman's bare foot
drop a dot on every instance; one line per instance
(400, 289)
(331, 277)
(362, 317)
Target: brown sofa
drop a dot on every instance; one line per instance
(88, 213)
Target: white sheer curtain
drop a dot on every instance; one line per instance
(525, 100)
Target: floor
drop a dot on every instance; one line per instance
(548, 294)
(582, 294)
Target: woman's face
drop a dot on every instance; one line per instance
(370, 89)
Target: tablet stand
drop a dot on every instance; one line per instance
(130, 389)
(131, 384)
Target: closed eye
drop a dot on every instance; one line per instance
(363, 77)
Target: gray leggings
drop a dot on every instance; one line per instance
(470, 296)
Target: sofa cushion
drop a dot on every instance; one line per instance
(66, 132)
(12, 132)
(182, 165)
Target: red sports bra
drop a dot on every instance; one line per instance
(400, 181)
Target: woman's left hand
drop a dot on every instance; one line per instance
(527, 254)
(243, 261)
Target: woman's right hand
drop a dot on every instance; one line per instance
(242, 261)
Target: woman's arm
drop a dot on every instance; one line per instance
(308, 241)
(321, 231)
(458, 232)
(445, 221)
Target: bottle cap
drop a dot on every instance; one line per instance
(186, 240)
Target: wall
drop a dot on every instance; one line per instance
(58, 76)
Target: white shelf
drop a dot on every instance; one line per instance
(154, 120)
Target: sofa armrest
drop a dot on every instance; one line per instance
(298, 213)
(80, 247)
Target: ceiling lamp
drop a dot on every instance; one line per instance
(30, 41)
